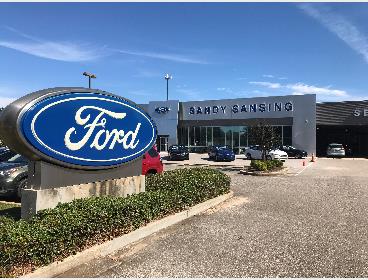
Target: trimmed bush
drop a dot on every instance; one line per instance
(71, 227)
(266, 165)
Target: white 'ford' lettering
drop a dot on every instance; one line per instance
(103, 136)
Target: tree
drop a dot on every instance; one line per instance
(265, 136)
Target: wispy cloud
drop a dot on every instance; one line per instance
(266, 84)
(163, 56)
(301, 88)
(74, 52)
(339, 25)
(54, 50)
(268, 76)
(62, 51)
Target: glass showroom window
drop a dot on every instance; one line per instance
(218, 136)
(287, 135)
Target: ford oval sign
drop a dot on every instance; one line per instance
(86, 129)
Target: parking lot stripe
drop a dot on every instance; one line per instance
(304, 168)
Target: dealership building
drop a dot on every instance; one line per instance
(297, 119)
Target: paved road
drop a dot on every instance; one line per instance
(311, 225)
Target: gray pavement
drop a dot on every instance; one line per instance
(309, 224)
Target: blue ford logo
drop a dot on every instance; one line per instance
(87, 129)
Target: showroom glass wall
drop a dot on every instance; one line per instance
(198, 138)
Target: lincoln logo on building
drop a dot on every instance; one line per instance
(242, 108)
(83, 129)
(162, 110)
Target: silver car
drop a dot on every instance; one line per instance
(335, 150)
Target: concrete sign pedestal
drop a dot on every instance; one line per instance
(35, 200)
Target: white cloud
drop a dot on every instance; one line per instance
(340, 26)
(268, 76)
(53, 50)
(164, 56)
(72, 52)
(301, 88)
(266, 84)
(221, 89)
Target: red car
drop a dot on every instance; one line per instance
(152, 162)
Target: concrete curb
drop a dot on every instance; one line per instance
(118, 243)
(283, 171)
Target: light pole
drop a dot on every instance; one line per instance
(167, 78)
(90, 76)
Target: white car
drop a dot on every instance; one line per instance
(255, 152)
(335, 150)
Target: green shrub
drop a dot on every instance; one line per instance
(266, 165)
(71, 227)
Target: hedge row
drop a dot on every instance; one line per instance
(266, 165)
(71, 227)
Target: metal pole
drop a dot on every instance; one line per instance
(89, 81)
(167, 89)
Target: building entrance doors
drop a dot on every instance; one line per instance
(162, 143)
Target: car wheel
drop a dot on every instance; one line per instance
(151, 172)
(268, 157)
(249, 156)
(21, 186)
(216, 158)
(187, 157)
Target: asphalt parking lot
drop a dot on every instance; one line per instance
(311, 224)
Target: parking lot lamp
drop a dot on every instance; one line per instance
(167, 78)
(90, 76)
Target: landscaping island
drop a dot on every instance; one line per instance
(265, 168)
(55, 234)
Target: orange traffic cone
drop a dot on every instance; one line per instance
(313, 158)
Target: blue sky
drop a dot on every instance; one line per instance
(212, 50)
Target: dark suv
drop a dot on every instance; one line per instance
(13, 175)
(178, 152)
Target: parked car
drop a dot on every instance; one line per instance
(293, 152)
(6, 154)
(152, 162)
(178, 152)
(255, 152)
(221, 153)
(13, 175)
(335, 150)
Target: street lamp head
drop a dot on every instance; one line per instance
(168, 77)
(93, 76)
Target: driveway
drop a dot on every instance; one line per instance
(313, 224)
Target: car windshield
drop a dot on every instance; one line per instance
(17, 158)
(224, 149)
(334, 146)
